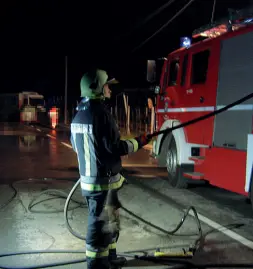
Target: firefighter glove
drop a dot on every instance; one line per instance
(143, 140)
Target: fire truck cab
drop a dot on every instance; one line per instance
(199, 79)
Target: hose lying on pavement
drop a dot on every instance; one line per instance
(186, 214)
(177, 262)
(13, 196)
(56, 194)
(62, 194)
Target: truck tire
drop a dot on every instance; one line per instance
(168, 158)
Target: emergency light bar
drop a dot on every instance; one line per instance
(213, 32)
(236, 20)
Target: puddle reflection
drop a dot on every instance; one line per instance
(30, 143)
(22, 143)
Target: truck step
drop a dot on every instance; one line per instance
(194, 175)
(197, 158)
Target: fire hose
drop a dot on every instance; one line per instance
(195, 120)
(176, 258)
(165, 259)
(175, 261)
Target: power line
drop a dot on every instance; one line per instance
(164, 26)
(148, 18)
(151, 16)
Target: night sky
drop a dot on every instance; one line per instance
(34, 35)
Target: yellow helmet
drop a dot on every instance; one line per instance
(92, 83)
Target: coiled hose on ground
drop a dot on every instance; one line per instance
(69, 197)
(177, 262)
(186, 214)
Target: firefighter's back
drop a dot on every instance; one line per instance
(90, 132)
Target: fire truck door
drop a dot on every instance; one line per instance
(197, 94)
(235, 81)
(171, 81)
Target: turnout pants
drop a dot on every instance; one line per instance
(103, 228)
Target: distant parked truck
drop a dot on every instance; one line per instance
(26, 107)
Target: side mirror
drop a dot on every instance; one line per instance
(157, 89)
(151, 71)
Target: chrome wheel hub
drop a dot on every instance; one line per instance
(171, 162)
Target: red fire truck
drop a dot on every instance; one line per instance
(196, 80)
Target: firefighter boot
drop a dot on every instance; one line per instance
(118, 263)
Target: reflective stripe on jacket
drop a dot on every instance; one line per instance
(102, 184)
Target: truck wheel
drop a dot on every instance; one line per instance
(169, 158)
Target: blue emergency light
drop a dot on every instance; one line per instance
(185, 42)
(249, 20)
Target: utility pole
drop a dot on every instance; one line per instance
(66, 92)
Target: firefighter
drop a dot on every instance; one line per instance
(96, 140)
